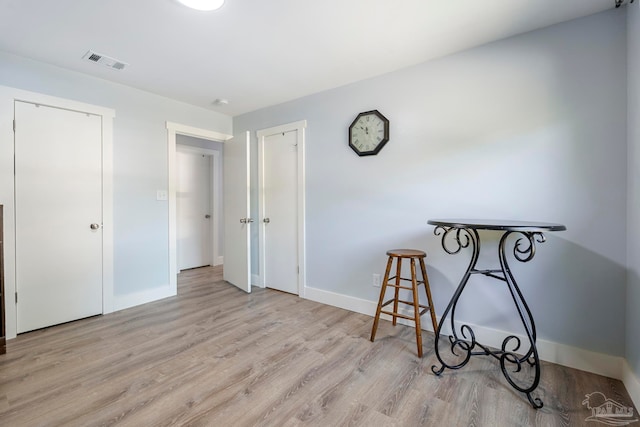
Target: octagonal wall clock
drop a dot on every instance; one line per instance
(368, 133)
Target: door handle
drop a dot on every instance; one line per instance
(94, 226)
(246, 220)
(207, 216)
(266, 220)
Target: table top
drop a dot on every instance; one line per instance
(501, 225)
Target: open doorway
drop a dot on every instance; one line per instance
(198, 203)
(210, 143)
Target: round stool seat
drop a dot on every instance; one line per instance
(406, 253)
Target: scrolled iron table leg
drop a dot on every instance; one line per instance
(465, 339)
(513, 354)
(522, 254)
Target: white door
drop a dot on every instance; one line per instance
(237, 221)
(194, 209)
(58, 204)
(280, 211)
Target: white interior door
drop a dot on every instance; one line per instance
(194, 208)
(237, 225)
(280, 211)
(58, 207)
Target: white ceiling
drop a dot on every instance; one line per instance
(258, 53)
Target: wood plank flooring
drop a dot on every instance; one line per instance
(215, 356)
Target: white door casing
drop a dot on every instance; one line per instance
(8, 97)
(237, 217)
(281, 199)
(174, 129)
(194, 209)
(58, 215)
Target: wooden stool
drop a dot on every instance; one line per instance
(412, 254)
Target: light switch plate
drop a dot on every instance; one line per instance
(376, 280)
(161, 195)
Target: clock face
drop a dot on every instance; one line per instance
(368, 133)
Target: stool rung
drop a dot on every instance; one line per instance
(407, 280)
(388, 302)
(421, 313)
(404, 316)
(411, 304)
(424, 307)
(399, 287)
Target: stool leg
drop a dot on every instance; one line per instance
(381, 299)
(397, 292)
(427, 288)
(416, 307)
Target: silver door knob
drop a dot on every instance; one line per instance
(249, 219)
(94, 226)
(243, 220)
(266, 220)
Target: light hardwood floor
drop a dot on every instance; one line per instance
(215, 356)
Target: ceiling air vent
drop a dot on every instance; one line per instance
(107, 61)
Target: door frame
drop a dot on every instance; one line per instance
(300, 128)
(215, 163)
(8, 96)
(174, 129)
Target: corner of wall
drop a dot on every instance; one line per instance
(631, 374)
(631, 382)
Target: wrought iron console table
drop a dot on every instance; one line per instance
(457, 234)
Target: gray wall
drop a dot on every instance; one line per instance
(528, 128)
(633, 291)
(140, 161)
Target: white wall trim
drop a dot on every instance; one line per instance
(631, 383)
(300, 128)
(172, 130)
(122, 302)
(198, 132)
(561, 354)
(301, 124)
(345, 302)
(8, 96)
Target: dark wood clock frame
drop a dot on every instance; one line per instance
(385, 138)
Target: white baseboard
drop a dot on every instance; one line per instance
(341, 301)
(579, 358)
(631, 383)
(120, 302)
(562, 354)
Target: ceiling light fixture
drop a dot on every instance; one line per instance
(205, 5)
